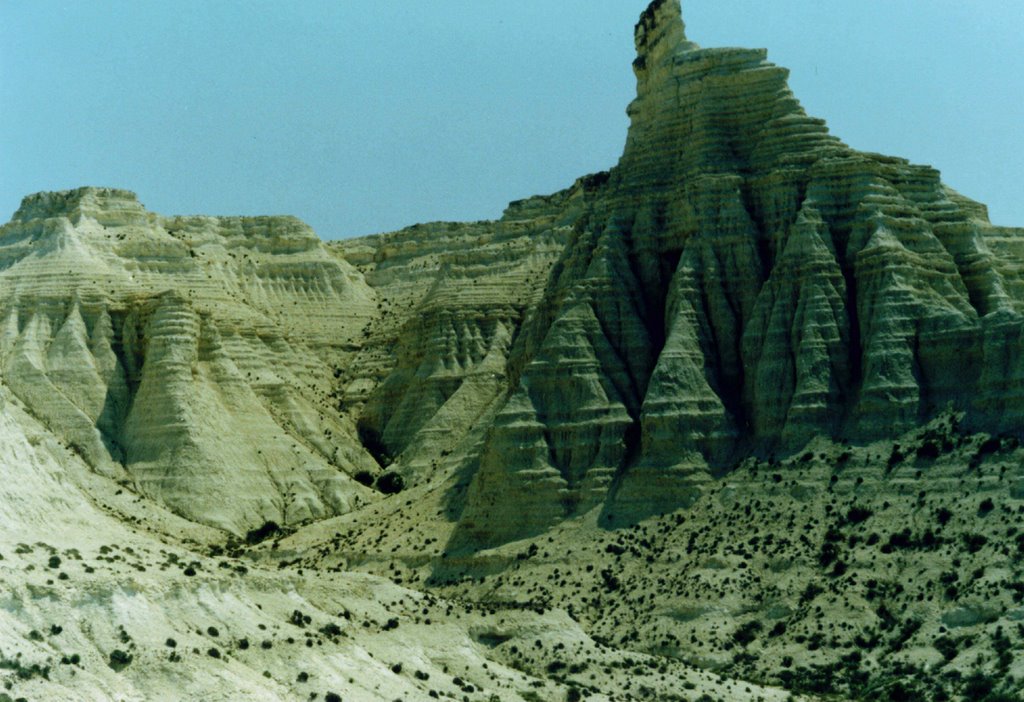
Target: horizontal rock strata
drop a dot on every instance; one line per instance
(742, 282)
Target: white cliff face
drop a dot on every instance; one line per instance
(741, 283)
(189, 356)
(666, 399)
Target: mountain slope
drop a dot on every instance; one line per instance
(746, 407)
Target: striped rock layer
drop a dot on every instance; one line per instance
(740, 283)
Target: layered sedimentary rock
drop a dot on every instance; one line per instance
(742, 282)
(807, 357)
(452, 298)
(190, 356)
(738, 284)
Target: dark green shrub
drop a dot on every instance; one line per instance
(746, 634)
(974, 542)
(119, 660)
(262, 533)
(390, 483)
(946, 646)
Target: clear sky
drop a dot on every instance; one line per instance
(363, 116)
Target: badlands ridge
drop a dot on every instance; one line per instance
(736, 417)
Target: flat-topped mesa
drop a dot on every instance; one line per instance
(105, 205)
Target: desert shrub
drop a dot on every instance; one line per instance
(974, 542)
(330, 629)
(809, 593)
(746, 634)
(364, 477)
(946, 646)
(895, 458)
(262, 533)
(390, 483)
(611, 583)
(119, 660)
(299, 619)
(858, 514)
(829, 553)
(24, 671)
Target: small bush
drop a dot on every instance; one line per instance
(390, 483)
(746, 634)
(262, 533)
(119, 660)
(974, 542)
(895, 458)
(946, 646)
(330, 629)
(364, 477)
(299, 619)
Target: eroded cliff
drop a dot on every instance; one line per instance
(740, 283)
(189, 356)
(705, 410)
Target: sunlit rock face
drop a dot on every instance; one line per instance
(741, 282)
(791, 369)
(190, 356)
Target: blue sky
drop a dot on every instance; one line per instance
(367, 116)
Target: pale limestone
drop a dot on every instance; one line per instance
(695, 332)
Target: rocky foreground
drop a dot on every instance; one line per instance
(736, 419)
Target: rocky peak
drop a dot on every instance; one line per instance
(659, 33)
(741, 283)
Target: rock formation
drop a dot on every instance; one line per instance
(190, 356)
(747, 378)
(740, 283)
